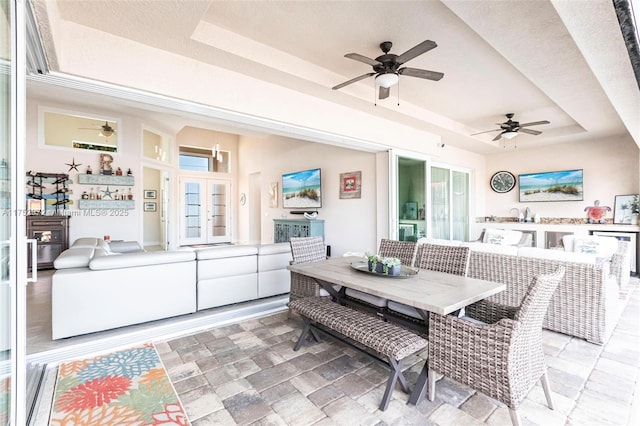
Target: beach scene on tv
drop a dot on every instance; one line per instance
(551, 186)
(302, 189)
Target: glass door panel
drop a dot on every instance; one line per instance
(192, 218)
(411, 196)
(219, 208)
(460, 204)
(440, 207)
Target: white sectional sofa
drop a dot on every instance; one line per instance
(95, 288)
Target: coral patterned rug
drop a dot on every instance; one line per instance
(128, 387)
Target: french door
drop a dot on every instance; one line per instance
(205, 211)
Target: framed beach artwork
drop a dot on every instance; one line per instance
(350, 185)
(563, 185)
(302, 190)
(624, 208)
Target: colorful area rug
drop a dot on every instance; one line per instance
(128, 387)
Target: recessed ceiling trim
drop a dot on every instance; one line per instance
(245, 120)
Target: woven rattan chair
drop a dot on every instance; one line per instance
(403, 250)
(305, 250)
(435, 257)
(503, 360)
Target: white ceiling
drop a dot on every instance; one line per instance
(560, 61)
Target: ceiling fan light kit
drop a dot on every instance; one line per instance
(387, 79)
(509, 135)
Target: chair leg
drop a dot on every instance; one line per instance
(515, 418)
(547, 389)
(432, 384)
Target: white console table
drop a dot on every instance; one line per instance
(546, 235)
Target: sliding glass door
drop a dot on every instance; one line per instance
(429, 199)
(12, 225)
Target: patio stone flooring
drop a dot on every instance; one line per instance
(248, 374)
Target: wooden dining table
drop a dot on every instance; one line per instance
(426, 290)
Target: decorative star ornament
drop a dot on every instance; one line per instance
(73, 165)
(106, 194)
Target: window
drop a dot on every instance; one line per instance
(201, 160)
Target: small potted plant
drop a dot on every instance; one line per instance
(383, 265)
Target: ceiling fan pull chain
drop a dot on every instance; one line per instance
(375, 94)
(398, 92)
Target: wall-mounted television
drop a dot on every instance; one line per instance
(565, 185)
(302, 190)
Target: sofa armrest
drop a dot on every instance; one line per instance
(74, 258)
(132, 260)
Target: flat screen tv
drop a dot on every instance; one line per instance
(302, 190)
(565, 185)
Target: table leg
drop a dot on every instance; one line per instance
(329, 288)
(420, 389)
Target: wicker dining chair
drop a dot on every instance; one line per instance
(435, 257)
(403, 250)
(503, 360)
(305, 250)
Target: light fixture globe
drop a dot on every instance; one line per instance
(509, 135)
(387, 79)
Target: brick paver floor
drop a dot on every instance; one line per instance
(248, 374)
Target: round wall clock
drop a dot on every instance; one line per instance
(502, 181)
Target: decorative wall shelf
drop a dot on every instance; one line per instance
(106, 204)
(85, 179)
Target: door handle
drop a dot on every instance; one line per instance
(34, 260)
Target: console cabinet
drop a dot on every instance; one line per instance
(283, 229)
(52, 236)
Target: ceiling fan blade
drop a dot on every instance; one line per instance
(535, 123)
(487, 131)
(419, 49)
(531, 131)
(384, 93)
(497, 137)
(353, 80)
(415, 72)
(361, 58)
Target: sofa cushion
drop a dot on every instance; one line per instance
(599, 246)
(132, 260)
(75, 257)
(274, 258)
(491, 248)
(503, 237)
(225, 251)
(540, 253)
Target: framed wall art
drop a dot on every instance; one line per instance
(150, 206)
(150, 194)
(626, 208)
(564, 185)
(350, 184)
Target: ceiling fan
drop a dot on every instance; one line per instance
(386, 67)
(509, 129)
(105, 130)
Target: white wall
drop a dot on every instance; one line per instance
(350, 224)
(610, 168)
(151, 224)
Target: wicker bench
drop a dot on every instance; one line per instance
(390, 340)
